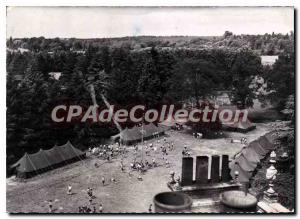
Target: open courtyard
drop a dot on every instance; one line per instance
(127, 194)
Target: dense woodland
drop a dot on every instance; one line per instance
(131, 70)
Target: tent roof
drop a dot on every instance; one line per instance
(255, 146)
(136, 132)
(265, 143)
(243, 125)
(170, 121)
(244, 176)
(244, 163)
(131, 134)
(167, 123)
(240, 125)
(251, 155)
(46, 158)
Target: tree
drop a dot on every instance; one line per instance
(282, 78)
(124, 75)
(245, 67)
(194, 78)
(227, 34)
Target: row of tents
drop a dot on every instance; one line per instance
(44, 160)
(135, 134)
(246, 161)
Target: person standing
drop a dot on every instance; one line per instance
(150, 208)
(100, 208)
(103, 180)
(69, 190)
(50, 206)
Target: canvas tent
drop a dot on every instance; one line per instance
(246, 161)
(170, 122)
(267, 145)
(258, 148)
(243, 176)
(239, 125)
(136, 133)
(32, 164)
(251, 155)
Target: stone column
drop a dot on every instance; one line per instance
(187, 171)
(225, 169)
(215, 169)
(201, 169)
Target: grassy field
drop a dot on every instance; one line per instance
(128, 194)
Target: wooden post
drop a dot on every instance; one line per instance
(187, 171)
(201, 169)
(215, 168)
(225, 169)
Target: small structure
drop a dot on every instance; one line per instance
(172, 202)
(268, 60)
(18, 77)
(239, 199)
(221, 97)
(55, 75)
(204, 190)
(202, 169)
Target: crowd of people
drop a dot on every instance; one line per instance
(149, 153)
(108, 151)
(144, 156)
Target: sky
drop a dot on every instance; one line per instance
(99, 22)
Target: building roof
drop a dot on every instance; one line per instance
(268, 60)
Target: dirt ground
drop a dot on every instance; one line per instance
(128, 194)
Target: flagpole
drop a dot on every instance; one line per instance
(142, 142)
(143, 139)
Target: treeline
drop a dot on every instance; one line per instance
(149, 76)
(267, 44)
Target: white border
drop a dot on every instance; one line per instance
(152, 3)
(5, 3)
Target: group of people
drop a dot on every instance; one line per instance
(186, 152)
(177, 127)
(89, 209)
(108, 151)
(197, 135)
(151, 150)
(243, 141)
